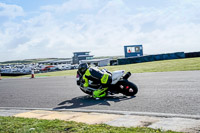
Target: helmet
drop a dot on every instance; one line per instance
(82, 68)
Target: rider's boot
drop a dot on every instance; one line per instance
(100, 93)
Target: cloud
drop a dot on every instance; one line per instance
(71, 5)
(102, 27)
(10, 11)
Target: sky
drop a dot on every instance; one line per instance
(57, 28)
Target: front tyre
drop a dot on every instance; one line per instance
(87, 92)
(128, 88)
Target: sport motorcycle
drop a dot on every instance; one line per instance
(120, 84)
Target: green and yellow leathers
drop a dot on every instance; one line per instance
(104, 79)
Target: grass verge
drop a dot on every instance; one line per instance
(26, 125)
(187, 64)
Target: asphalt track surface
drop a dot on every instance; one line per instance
(160, 92)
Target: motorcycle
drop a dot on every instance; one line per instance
(120, 84)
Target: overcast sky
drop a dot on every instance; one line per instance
(57, 28)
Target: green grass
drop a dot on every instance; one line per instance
(25, 125)
(156, 66)
(161, 66)
(57, 73)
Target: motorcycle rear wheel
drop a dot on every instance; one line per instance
(128, 88)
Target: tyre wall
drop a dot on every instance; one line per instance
(169, 56)
(192, 54)
(113, 62)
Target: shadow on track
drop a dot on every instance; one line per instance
(85, 101)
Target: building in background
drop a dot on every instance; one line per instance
(97, 62)
(78, 56)
(133, 50)
(56, 62)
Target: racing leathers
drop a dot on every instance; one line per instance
(95, 75)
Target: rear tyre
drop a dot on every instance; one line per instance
(128, 88)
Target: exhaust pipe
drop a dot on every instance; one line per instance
(127, 75)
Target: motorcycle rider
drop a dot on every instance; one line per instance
(94, 74)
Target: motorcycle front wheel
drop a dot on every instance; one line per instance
(87, 92)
